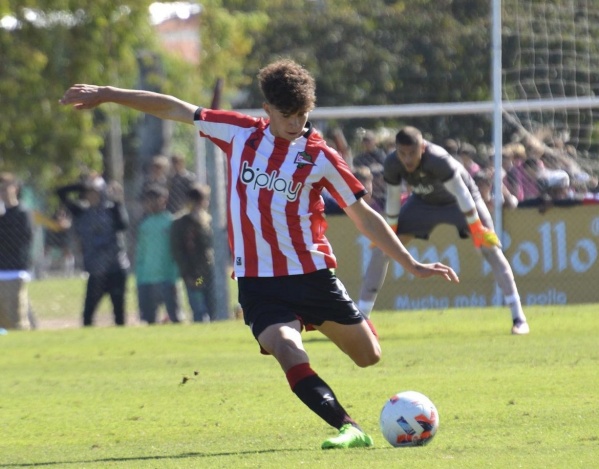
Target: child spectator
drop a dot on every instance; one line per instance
(155, 268)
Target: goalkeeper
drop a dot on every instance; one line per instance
(442, 191)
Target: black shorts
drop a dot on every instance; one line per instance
(311, 298)
(418, 218)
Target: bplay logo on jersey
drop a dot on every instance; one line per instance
(258, 179)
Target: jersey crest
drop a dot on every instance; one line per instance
(303, 159)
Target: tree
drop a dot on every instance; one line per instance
(56, 43)
(381, 52)
(47, 50)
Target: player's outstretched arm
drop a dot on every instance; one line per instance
(373, 226)
(163, 106)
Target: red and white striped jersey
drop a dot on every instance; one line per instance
(275, 212)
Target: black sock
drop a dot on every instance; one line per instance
(321, 399)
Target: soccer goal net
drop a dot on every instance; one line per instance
(551, 55)
(550, 77)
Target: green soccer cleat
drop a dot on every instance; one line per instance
(349, 437)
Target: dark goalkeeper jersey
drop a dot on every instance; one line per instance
(436, 167)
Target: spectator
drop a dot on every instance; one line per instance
(57, 239)
(371, 153)
(512, 170)
(365, 176)
(582, 179)
(180, 182)
(15, 245)
(379, 191)
(552, 185)
(192, 247)
(155, 269)
(532, 169)
(372, 156)
(484, 181)
(555, 183)
(156, 173)
(451, 145)
(339, 142)
(100, 220)
(467, 155)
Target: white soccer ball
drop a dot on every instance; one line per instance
(409, 418)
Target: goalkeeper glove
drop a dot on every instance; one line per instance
(483, 236)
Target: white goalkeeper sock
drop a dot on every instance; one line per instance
(513, 301)
(365, 307)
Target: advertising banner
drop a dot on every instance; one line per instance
(554, 257)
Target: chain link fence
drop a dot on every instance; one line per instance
(553, 253)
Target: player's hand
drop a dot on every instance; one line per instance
(435, 269)
(82, 96)
(483, 236)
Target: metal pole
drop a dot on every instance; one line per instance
(216, 177)
(497, 122)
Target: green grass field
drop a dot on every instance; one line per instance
(113, 397)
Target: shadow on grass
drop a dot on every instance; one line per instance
(147, 458)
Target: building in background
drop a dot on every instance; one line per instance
(177, 24)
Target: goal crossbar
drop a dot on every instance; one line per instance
(432, 109)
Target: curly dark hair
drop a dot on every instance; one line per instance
(288, 86)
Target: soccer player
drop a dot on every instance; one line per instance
(277, 168)
(442, 191)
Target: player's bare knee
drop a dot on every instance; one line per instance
(287, 350)
(278, 339)
(368, 358)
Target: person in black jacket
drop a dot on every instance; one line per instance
(15, 247)
(100, 220)
(192, 248)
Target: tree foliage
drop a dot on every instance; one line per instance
(361, 53)
(52, 45)
(381, 52)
